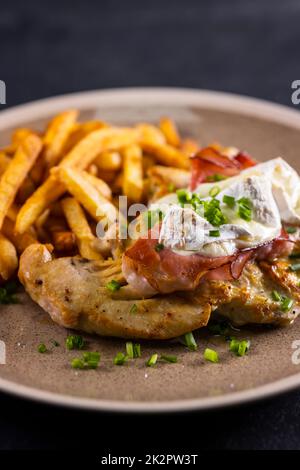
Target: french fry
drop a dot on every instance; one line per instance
(4, 162)
(148, 162)
(165, 154)
(47, 193)
(168, 128)
(110, 161)
(12, 212)
(81, 130)
(95, 204)
(17, 171)
(83, 154)
(38, 171)
(80, 156)
(172, 176)
(57, 135)
(189, 147)
(20, 134)
(151, 133)
(79, 225)
(26, 189)
(133, 173)
(99, 184)
(117, 184)
(8, 258)
(64, 241)
(21, 242)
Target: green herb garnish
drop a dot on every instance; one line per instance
(214, 233)
(276, 296)
(75, 342)
(120, 359)
(291, 230)
(129, 350)
(219, 328)
(229, 201)
(89, 360)
(245, 208)
(190, 342)
(184, 196)
(158, 247)
(215, 177)
(211, 355)
(152, 361)
(285, 302)
(113, 285)
(239, 348)
(214, 191)
(42, 348)
(137, 350)
(213, 213)
(171, 359)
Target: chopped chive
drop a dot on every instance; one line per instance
(229, 201)
(133, 308)
(213, 213)
(113, 285)
(294, 255)
(211, 355)
(129, 350)
(137, 350)
(120, 359)
(214, 233)
(295, 267)
(75, 342)
(42, 348)
(159, 247)
(214, 191)
(171, 188)
(291, 229)
(152, 361)
(77, 363)
(171, 359)
(245, 208)
(190, 342)
(89, 360)
(215, 177)
(239, 348)
(276, 296)
(286, 304)
(183, 196)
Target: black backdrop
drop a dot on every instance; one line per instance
(50, 47)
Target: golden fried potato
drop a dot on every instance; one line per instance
(78, 223)
(16, 172)
(8, 258)
(165, 154)
(109, 161)
(133, 173)
(57, 135)
(168, 128)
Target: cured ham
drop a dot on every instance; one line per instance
(166, 271)
(209, 162)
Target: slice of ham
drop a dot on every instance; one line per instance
(209, 161)
(165, 271)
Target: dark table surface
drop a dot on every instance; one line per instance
(53, 47)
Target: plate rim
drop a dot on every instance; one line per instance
(217, 100)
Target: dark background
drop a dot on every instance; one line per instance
(50, 47)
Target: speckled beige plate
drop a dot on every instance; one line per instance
(266, 131)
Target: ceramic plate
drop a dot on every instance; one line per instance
(266, 131)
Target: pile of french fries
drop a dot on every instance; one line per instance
(57, 185)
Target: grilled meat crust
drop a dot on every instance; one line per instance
(73, 291)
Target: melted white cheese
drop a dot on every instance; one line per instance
(186, 232)
(285, 183)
